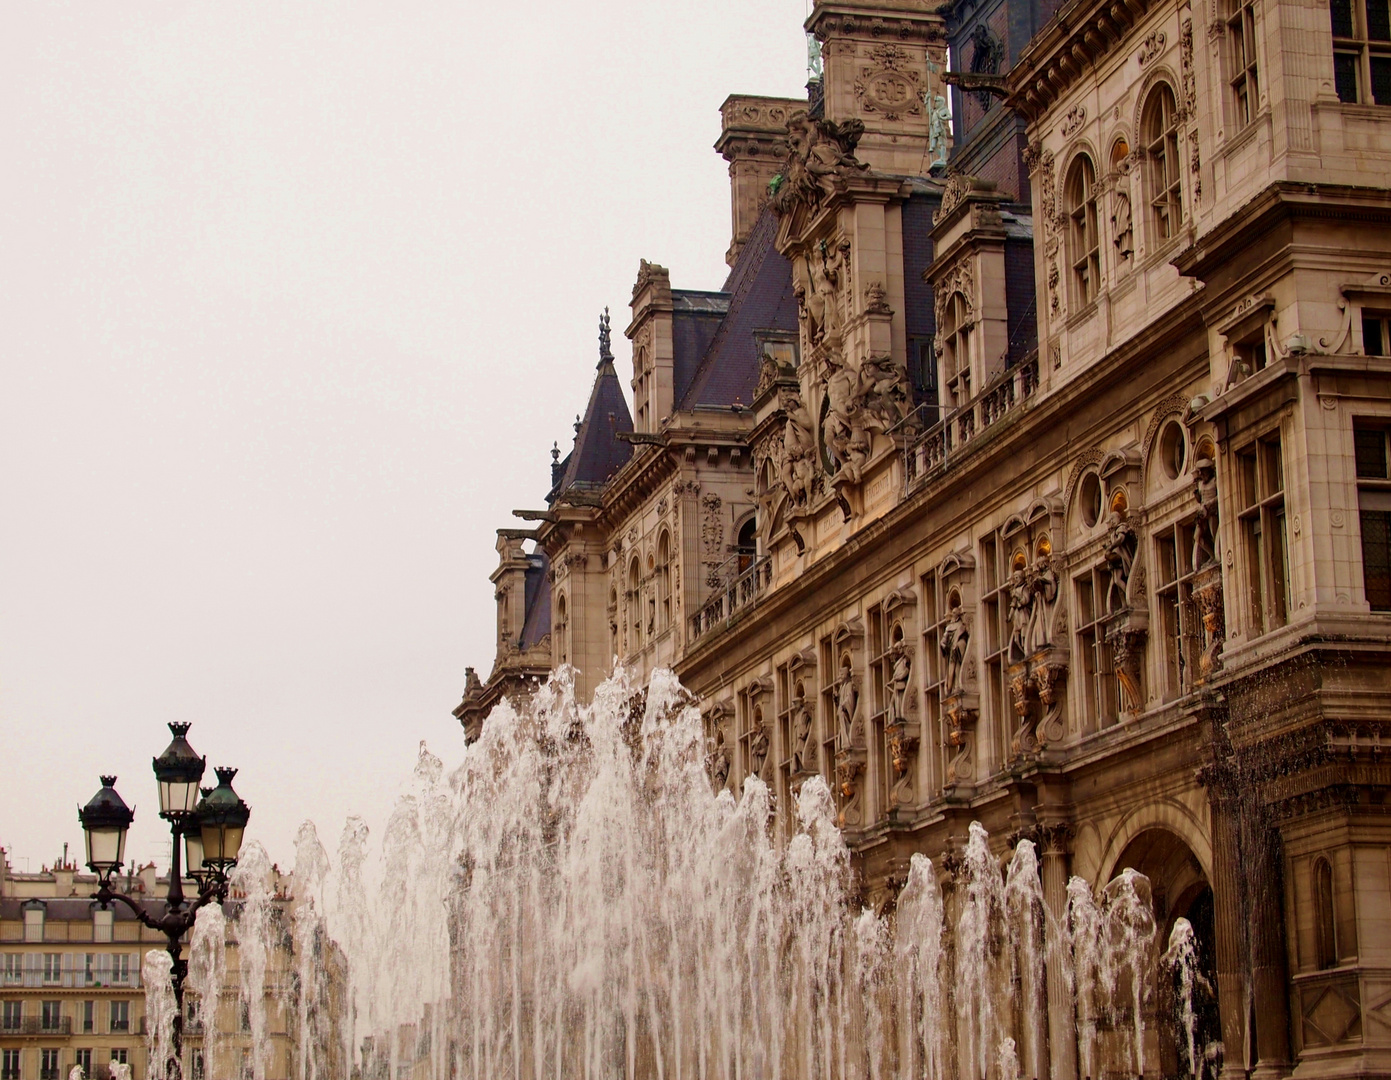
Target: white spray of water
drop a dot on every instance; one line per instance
(206, 979)
(157, 974)
(576, 902)
(256, 923)
(919, 953)
(1182, 957)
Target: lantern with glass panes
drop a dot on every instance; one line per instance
(210, 822)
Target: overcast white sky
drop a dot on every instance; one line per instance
(295, 299)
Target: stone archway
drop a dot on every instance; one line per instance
(1180, 890)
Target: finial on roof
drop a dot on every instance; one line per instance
(577, 425)
(605, 349)
(555, 452)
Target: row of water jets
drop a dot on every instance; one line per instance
(573, 901)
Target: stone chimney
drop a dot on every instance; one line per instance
(753, 139)
(509, 585)
(653, 350)
(882, 59)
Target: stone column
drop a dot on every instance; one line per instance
(1061, 1059)
(1228, 925)
(1269, 975)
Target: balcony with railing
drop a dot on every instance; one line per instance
(35, 1027)
(934, 447)
(741, 592)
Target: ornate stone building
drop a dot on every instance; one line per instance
(1050, 490)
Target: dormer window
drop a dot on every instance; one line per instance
(1084, 248)
(956, 348)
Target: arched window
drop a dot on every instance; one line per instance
(746, 547)
(562, 631)
(956, 348)
(1165, 169)
(1084, 248)
(1325, 930)
(664, 579)
(634, 602)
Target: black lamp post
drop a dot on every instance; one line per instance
(211, 830)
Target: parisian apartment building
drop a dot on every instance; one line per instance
(1031, 467)
(71, 993)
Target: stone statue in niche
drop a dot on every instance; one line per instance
(1043, 582)
(1122, 227)
(1119, 553)
(1021, 604)
(899, 675)
(826, 268)
(847, 698)
(719, 761)
(955, 638)
(796, 461)
(1205, 526)
(820, 152)
(860, 401)
(758, 747)
(803, 747)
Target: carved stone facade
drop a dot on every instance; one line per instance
(1133, 601)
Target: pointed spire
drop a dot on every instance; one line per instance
(605, 350)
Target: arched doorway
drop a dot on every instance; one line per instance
(1180, 890)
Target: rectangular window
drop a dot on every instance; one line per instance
(120, 1016)
(1262, 493)
(1100, 693)
(83, 1060)
(48, 1063)
(52, 968)
(1374, 512)
(9, 1065)
(1241, 34)
(12, 1016)
(1181, 622)
(33, 922)
(120, 969)
(50, 1015)
(1361, 50)
(89, 1016)
(102, 921)
(1376, 334)
(120, 1055)
(14, 969)
(199, 1069)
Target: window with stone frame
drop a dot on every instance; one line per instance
(1243, 71)
(784, 746)
(48, 1063)
(1000, 557)
(83, 1060)
(634, 604)
(1179, 617)
(1325, 923)
(934, 730)
(1164, 172)
(664, 602)
(562, 630)
(9, 1064)
(1261, 491)
(1094, 676)
(1376, 333)
(12, 1016)
(827, 720)
(52, 968)
(50, 1015)
(881, 641)
(119, 1016)
(1084, 244)
(1374, 512)
(956, 349)
(1361, 51)
(120, 1055)
(751, 718)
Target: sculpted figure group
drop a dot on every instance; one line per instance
(819, 152)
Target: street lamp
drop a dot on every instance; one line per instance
(207, 832)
